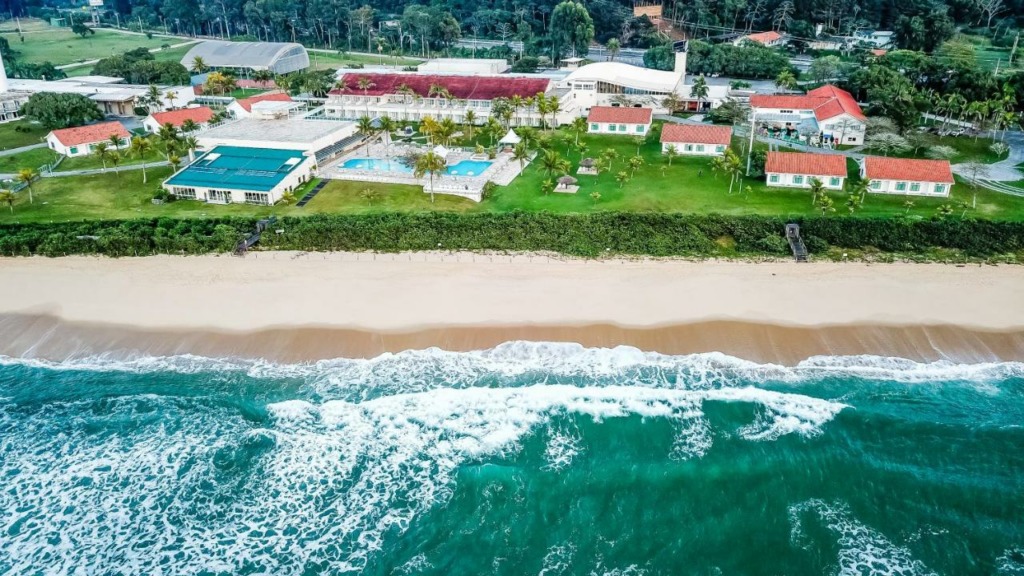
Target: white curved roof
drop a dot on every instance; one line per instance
(627, 75)
(278, 57)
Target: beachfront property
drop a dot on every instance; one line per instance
(81, 141)
(907, 176)
(245, 57)
(265, 104)
(109, 93)
(695, 139)
(770, 39)
(619, 121)
(797, 169)
(235, 175)
(200, 116)
(825, 116)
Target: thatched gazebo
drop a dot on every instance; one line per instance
(567, 184)
(588, 166)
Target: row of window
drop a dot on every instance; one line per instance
(875, 184)
(799, 179)
(701, 148)
(181, 192)
(618, 128)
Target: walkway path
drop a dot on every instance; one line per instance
(14, 151)
(92, 171)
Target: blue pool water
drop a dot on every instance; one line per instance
(463, 168)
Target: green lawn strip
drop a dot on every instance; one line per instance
(60, 46)
(29, 159)
(324, 60)
(12, 137)
(92, 162)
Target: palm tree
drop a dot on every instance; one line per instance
(101, 150)
(174, 160)
(191, 145)
(115, 141)
(552, 163)
(429, 163)
(639, 141)
(7, 197)
(671, 154)
(785, 80)
(27, 176)
(825, 204)
(672, 102)
(578, 126)
(621, 178)
(728, 163)
(406, 93)
(516, 102)
(699, 90)
(429, 127)
(140, 147)
(634, 163)
(115, 159)
(861, 189)
(152, 98)
(189, 126)
(908, 204)
(199, 65)
(366, 128)
(168, 133)
(817, 189)
(445, 130)
(386, 126)
(613, 47)
(470, 119)
(263, 76)
(522, 154)
(609, 155)
(852, 203)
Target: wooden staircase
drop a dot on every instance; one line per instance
(796, 243)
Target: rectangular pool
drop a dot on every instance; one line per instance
(463, 168)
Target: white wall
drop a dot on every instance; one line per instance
(79, 150)
(852, 133)
(689, 149)
(619, 129)
(923, 188)
(790, 181)
(296, 177)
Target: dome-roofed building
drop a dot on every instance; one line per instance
(278, 57)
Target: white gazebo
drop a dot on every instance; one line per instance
(441, 151)
(510, 140)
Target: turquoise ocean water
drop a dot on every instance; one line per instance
(528, 459)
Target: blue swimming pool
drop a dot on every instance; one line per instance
(463, 168)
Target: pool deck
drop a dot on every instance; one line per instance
(502, 171)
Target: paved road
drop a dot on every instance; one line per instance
(129, 167)
(14, 151)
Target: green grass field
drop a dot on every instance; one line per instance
(11, 135)
(689, 185)
(325, 60)
(164, 54)
(60, 46)
(92, 163)
(29, 159)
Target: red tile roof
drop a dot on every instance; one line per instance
(91, 133)
(763, 37)
(696, 134)
(620, 115)
(910, 170)
(246, 103)
(250, 83)
(805, 163)
(826, 102)
(879, 52)
(464, 87)
(200, 115)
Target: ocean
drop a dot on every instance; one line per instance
(526, 459)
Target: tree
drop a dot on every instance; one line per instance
(7, 197)
(699, 90)
(728, 163)
(115, 141)
(81, 29)
(140, 147)
(175, 161)
(386, 126)
(612, 46)
(470, 118)
(432, 164)
(944, 211)
(364, 83)
(825, 69)
(660, 57)
(578, 126)
(54, 111)
(672, 102)
(887, 143)
(115, 159)
(101, 150)
(552, 163)
(671, 154)
(547, 187)
(941, 152)
(28, 176)
(370, 195)
(571, 30)
(199, 65)
(522, 154)
(634, 163)
(908, 204)
(861, 189)
(817, 190)
(596, 196)
(189, 126)
(990, 9)
(976, 171)
(219, 83)
(610, 155)
(825, 204)
(853, 203)
(621, 178)
(366, 128)
(639, 141)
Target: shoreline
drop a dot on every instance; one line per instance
(295, 307)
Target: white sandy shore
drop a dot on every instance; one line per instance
(415, 291)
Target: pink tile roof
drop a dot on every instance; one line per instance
(763, 37)
(246, 103)
(826, 102)
(200, 115)
(805, 163)
(91, 133)
(619, 114)
(463, 87)
(695, 134)
(910, 170)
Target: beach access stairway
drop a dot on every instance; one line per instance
(309, 195)
(796, 243)
(261, 226)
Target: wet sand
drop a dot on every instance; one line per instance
(300, 307)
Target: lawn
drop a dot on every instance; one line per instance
(324, 60)
(29, 159)
(172, 54)
(11, 135)
(60, 46)
(689, 185)
(91, 162)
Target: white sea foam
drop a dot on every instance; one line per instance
(168, 479)
(1011, 562)
(863, 551)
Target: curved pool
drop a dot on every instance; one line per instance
(462, 168)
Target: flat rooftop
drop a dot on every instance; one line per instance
(292, 130)
(237, 168)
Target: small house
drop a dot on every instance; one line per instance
(619, 120)
(81, 140)
(243, 108)
(770, 39)
(907, 176)
(797, 169)
(695, 139)
(200, 115)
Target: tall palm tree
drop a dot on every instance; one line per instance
(728, 163)
(365, 84)
(817, 189)
(552, 163)
(386, 126)
(699, 90)
(610, 155)
(115, 159)
(28, 175)
(189, 126)
(263, 76)
(861, 189)
(522, 154)
(139, 148)
(115, 141)
(578, 126)
(152, 98)
(634, 163)
(432, 164)
(785, 81)
(7, 197)
(612, 46)
(366, 128)
(516, 101)
(101, 150)
(429, 127)
(174, 160)
(407, 94)
(445, 130)
(199, 65)
(470, 118)
(191, 145)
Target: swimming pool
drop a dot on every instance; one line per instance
(463, 168)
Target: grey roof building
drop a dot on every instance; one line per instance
(278, 57)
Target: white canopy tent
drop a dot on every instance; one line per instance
(441, 151)
(510, 139)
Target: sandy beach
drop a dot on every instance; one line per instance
(297, 306)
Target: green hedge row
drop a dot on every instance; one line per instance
(575, 234)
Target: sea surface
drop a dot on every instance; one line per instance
(527, 459)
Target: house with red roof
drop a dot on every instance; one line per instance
(413, 97)
(695, 139)
(770, 39)
(81, 141)
(797, 169)
(826, 115)
(200, 115)
(907, 176)
(246, 107)
(622, 120)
